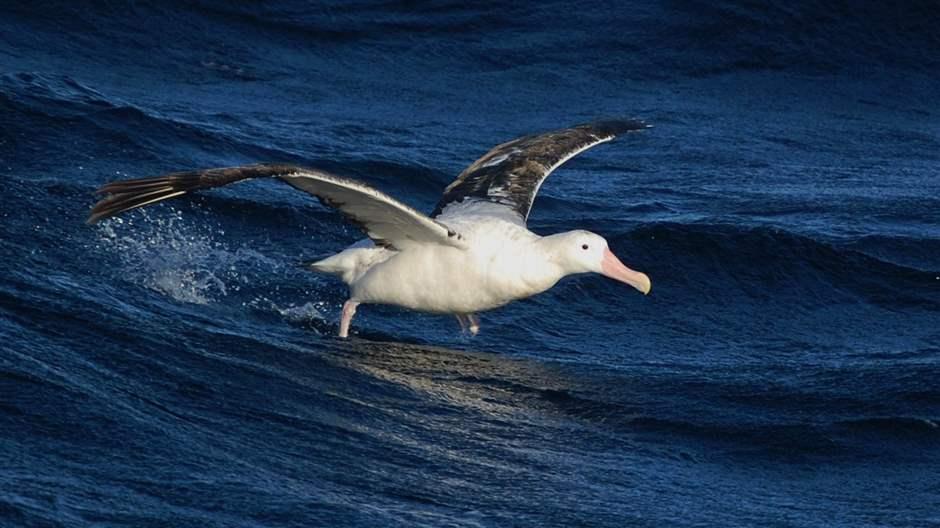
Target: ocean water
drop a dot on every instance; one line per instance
(176, 367)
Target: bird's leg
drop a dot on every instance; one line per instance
(474, 323)
(349, 310)
(464, 323)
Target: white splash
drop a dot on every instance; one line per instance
(293, 313)
(178, 258)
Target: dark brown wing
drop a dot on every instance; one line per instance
(511, 174)
(384, 219)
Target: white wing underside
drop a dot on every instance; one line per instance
(386, 220)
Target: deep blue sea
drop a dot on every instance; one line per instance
(176, 367)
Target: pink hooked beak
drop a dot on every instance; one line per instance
(613, 268)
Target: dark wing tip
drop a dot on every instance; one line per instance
(614, 127)
(124, 195)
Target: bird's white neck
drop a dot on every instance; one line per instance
(542, 267)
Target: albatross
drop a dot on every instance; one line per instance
(471, 254)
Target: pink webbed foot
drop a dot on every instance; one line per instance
(469, 323)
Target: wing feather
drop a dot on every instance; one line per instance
(384, 219)
(511, 173)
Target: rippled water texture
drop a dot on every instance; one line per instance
(177, 366)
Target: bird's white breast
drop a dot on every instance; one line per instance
(501, 264)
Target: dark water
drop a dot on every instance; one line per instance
(176, 368)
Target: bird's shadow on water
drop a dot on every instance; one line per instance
(467, 378)
(465, 392)
(471, 376)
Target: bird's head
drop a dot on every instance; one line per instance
(586, 252)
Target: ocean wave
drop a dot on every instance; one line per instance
(806, 422)
(57, 102)
(696, 38)
(179, 362)
(692, 38)
(766, 261)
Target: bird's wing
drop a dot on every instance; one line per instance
(511, 174)
(384, 219)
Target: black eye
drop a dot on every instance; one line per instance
(584, 247)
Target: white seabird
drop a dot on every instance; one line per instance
(472, 254)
